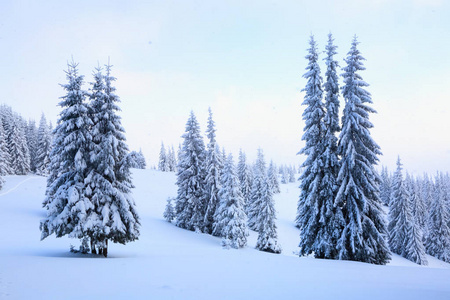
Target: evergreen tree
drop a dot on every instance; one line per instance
(190, 207)
(230, 216)
(114, 216)
(32, 142)
(415, 249)
(284, 175)
(18, 148)
(438, 239)
(65, 202)
(267, 229)
(213, 168)
(169, 211)
(172, 161)
(273, 179)
(142, 164)
(44, 140)
(259, 178)
(4, 153)
(364, 235)
(319, 220)
(244, 177)
(400, 214)
(385, 186)
(163, 164)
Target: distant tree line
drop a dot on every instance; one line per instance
(24, 148)
(419, 214)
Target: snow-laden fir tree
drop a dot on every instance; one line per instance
(142, 164)
(44, 140)
(137, 160)
(113, 215)
(190, 205)
(364, 235)
(273, 178)
(400, 214)
(32, 141)
(292, 174)
(66, 204)
(163, 164)
(4, 153)
(169, 211)
(284, 175)
(414, 248)
(172, 160)
(259, 178)
(320, 222)
(438, 239)
(18, 148)
(385, 186)
(231, 220)
(419, 210)
(244, 177)
(267, 229)
(213, 168)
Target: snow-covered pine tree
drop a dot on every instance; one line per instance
(438, 239)
(400, 214)
(142, 164)
(190, 206)
(18, 148)
(4, 153)
(319, 220)
(172, 161)
(113, 215)
(273, 178)
(32, 141)
(267, 229)
(259, 178)
(65, 202)
(284, 175)
(244, 177)
(44, 139)
(213, 168)
(169, 211)
(364, 235)
(230, 219)
(292, 174)
(385, 186)
(163, 164)
(414, 248)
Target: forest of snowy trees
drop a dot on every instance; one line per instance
(218, 197)
(24, 147)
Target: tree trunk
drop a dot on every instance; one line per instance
(93, 251)
(105, 250)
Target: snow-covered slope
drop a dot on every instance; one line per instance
(171, 263)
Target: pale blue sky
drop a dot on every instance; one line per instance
(243, 59)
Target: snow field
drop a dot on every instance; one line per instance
(171, 263)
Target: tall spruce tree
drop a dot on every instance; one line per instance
(4, 153)
(385, 186)
(231, 221)
(190, 206)
(259, 179)
(18, 148)
(32, 142)
(244, 177)
(213, 168)
(66, 203)
(319, 220)
(414, 249)
(364, 235)
(267, 229)
(44, 139)
(400, 214)
(113, 215)
(438, 239)
(163, 164)
(273, 179)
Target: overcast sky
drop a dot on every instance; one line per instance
(242, 59)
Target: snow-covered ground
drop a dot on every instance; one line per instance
(171, 263)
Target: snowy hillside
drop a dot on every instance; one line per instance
(171, 263)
